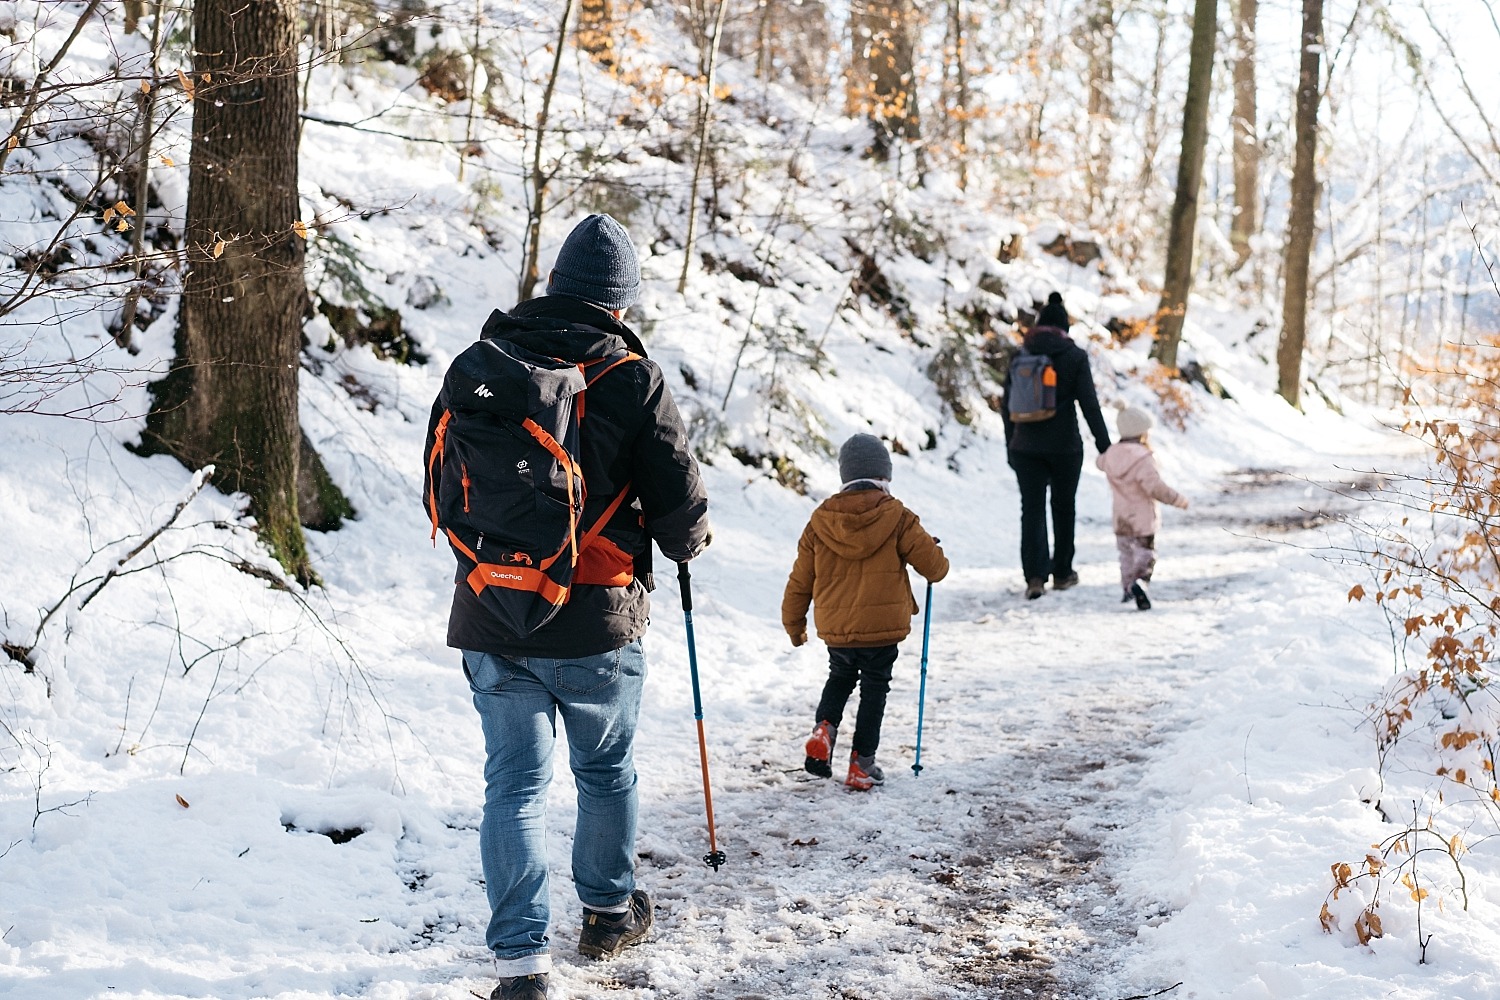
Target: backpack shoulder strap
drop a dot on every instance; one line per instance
(609, 363)
(594, 370)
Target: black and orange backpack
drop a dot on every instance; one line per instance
(505, 486)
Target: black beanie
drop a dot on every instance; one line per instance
(597, 263)
(1054, 313)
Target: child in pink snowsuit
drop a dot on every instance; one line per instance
(1136, 485)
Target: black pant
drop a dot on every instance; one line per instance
(1035, 474)
(870, 668)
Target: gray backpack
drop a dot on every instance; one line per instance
(1032, 391)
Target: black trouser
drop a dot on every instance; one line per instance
(870, 668)
(1035, 474)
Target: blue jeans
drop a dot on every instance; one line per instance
(519, 700)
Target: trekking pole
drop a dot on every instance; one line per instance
(715, 857)
(916, 768)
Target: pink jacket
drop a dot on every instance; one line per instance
(1136, 485)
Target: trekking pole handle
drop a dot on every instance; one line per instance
(685, 582)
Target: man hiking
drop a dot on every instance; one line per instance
(632, 481)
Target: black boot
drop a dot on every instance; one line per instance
(605, 935)
(532, 987)
(1142, 599)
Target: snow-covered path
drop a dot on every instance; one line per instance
(1092, 778)
(991, 874)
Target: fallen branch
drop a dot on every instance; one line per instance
(22, 654)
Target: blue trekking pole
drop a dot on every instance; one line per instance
(916, 768)
(715, 857)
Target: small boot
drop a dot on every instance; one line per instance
(1064, 582)
(1142, 599)
(864, 773)
(1035, 587)
(820, 750)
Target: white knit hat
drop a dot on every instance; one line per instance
(1134, 422)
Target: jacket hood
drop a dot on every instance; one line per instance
(1047, 340)
(1122, 456)
(856, 524)
(560, 326)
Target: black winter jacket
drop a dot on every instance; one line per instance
(631, 433)
(1075, 383)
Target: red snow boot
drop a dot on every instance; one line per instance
(820, 750)
(864, 773)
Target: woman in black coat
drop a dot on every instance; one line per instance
(1047, 455)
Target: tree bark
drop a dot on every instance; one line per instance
(883, 70)
(234, 401)
(1246, 154)
(1301, 221)
(1178, 281)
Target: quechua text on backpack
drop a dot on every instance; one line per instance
(504, 481)
(1031, 392)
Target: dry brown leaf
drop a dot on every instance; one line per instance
(187, 85)
(121, 226)
(145, 86)
(168, 161)
(218, 250)
(1325, 917)
(182, 802)
(1356, 593)
(300, 228)
(13, 141)
(109, 215)
(123, 208)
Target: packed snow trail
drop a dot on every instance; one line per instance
(990, 874)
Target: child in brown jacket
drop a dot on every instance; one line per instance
(851, 564)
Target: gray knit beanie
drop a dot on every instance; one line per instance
(1133, 422)
(597, 263)
(864, 457)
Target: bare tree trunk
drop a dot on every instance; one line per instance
(539, 178)
(1304, 200)
(1246, 154)
(1099, 31)
(1151, 140)
(956, 53)
(134, 11)
(463, 153)
(125, 337)
(1178, 281)
(234, 402)
(705, 118)
(885, 39)
(596, 30)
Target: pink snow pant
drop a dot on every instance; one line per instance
(1137, 558)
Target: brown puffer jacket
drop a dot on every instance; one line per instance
(851, 564)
